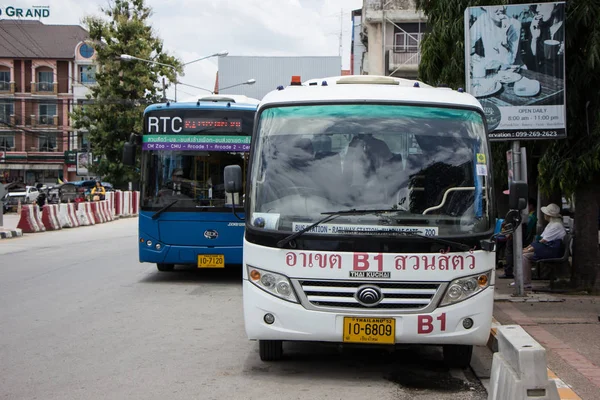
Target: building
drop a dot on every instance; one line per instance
(391, 32)
(45, 70)
(357, 47)
(270, 72)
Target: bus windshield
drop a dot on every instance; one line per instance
(187, 166)
(426, 165)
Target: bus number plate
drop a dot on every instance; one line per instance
(211, 261)
(369, 330)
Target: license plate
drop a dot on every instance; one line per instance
(211, 261)
(369, 330)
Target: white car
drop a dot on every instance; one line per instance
(27, 195)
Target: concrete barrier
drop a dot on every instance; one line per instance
(27, 221)
(110, 196)
(85, 215)
(67, 216)
(96, 212)
(50, 217)
(519, 370)
(118, 203)
(135, 203)
(105, 206)
(38, 217)
(126, 211)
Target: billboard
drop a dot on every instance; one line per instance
(515, 67)
(84, 159)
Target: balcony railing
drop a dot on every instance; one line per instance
(404, 60)
(50, 88)
(7, 87)
(44, 120)
(9, 119)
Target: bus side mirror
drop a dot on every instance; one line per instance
(129, 149)
(518, 194)
(233, 179)
(129, 154)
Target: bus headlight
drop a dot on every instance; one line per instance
(275, 284)
(462, 288)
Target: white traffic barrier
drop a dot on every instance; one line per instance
(84, 214)
(63, 216)
(38, 217)
(126, 210)
(118, 203)
(106, 211)
(110, 196)
(67, 216)
(519, 370)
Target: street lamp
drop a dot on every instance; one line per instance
(128, 57)
(248, 82)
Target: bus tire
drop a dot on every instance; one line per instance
(270, 350)
(165, 267)
(457, 356)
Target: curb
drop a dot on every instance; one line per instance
(10, 233)
(564, 391)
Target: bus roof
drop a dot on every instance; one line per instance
(369, 88)
(210, 102)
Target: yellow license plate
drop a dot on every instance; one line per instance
(211, 261)
(369, 330)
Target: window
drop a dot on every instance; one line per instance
(47, 142)
(4, 80)
(83, 141)
(7, 142)
(86, 51)
(6, 110)
(407, 42)
(46, 114)
(87, 74)
(46, 76)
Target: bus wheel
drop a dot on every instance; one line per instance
(270, 350)
(457, 356)
(165, 267)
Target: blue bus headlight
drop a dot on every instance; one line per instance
(273, 283)
(463, 288)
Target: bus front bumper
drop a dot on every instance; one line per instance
(293, 322)
(168, 254)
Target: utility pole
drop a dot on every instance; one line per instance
(164, 89)
(518, 235)
(383, 24)
(341, 28)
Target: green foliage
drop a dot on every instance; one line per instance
(576, 161)
(123, 88)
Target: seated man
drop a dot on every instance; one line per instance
(549, 245)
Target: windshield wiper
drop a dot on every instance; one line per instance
(165, 208)
(330, 216)
(435, 239)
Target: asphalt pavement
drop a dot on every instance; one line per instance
(81, 318)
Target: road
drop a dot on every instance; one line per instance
(80, 318)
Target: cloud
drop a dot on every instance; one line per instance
(191, 29)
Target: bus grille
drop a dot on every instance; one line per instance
(401, 296)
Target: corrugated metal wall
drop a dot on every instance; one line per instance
(271, 72)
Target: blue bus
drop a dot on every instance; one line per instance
(186, 217)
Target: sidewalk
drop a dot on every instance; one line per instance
(568, 326)
(9, 230)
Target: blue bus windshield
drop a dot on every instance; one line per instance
(184, 153)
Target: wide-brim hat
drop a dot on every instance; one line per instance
(551, 210)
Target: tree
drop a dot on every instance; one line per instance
(123, 89)
(572, 165)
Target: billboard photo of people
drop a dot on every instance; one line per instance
(515, 67)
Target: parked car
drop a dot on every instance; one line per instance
(63, 193)
(19, 191)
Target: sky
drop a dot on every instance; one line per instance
(191, 29)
